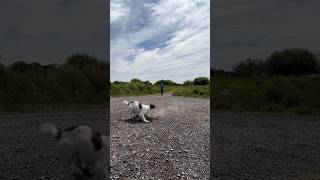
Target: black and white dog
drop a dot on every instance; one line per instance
(138, 109)
(84, 147)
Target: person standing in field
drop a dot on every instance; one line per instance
(161, 88)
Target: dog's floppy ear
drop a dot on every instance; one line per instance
(96, 139)
(152, 106)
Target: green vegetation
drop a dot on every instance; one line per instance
(287, 82)
(192, 91)
(136, 87)
(166, 82)
(280, 94)
(199, 81)
(284, 62)
(139, 87)
(81, 82)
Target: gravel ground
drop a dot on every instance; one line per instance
(174, 145)
(253, 146)
(28, 153)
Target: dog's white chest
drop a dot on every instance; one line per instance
(84, 149)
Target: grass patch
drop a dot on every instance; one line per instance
(192, 91)
(276, 94)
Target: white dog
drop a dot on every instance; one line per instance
(84, 147)
(138, 109)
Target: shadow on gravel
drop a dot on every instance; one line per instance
(134, 120)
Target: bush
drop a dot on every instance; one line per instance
(188, 83)
(249, 67)
(201, 81)
(292, 62)
(81, 60)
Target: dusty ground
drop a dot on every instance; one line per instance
(28, 153)
(253, 146)
(174, 145)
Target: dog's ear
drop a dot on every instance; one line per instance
(152, 106)
(96, 139)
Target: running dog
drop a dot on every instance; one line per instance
(138, 109)
(83, 146)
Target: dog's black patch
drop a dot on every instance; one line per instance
(152, 106)
(59, 135)
(132, 102)
(71, 128)
(96, 139)
(140, 105)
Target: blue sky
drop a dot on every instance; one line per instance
(159, 39)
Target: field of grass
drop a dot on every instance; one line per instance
(136, 89)
(192, 91)
(278, 94)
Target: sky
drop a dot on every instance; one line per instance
(256, 28)
(49, 31)
(159, 39)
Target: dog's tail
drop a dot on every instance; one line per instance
(51, 129)
(125, 102)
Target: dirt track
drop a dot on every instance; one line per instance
(252, 146)
(28, 153)
(174, 145)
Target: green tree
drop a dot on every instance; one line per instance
(201, 81)
(292, 62)
(165, 82)
(135, 80)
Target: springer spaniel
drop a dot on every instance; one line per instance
(138, 109)
(84, 147)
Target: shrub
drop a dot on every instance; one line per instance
(188, 83)
(249, 67)
(292, 62)
(81, 60)
(201, 81)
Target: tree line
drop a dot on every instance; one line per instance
(284, 62)
(81, 79)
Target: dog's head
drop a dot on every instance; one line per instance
(152, 106)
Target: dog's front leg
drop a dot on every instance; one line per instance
(66, 152)
(100, 172)
(144, 118)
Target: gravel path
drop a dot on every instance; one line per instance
(27, 153)
(253, 146)
(174, 145)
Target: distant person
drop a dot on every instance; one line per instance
(161, 88)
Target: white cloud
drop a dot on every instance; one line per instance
(180, 35)
(119, 10)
